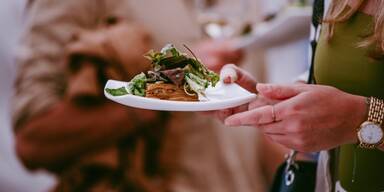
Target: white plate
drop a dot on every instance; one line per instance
(220, 97)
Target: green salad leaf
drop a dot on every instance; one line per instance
(137, 85)
(170, 50)
(195, 83)
(117, 92)
(197, 77)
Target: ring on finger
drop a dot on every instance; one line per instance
(273, 113)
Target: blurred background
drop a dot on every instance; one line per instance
(13, 176)
(275, 48)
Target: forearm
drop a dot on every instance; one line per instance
(66, 131)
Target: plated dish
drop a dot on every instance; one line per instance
(176, 82)
(173, 76)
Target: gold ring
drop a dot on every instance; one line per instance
(273, 114)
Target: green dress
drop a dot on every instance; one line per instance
(341, 64)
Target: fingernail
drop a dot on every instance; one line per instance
(227, 72)
(227, 79)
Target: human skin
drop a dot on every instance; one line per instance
(273, 153)
(66, 131)
(369, 6)
(309, 118)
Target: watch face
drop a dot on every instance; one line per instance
(371, 133)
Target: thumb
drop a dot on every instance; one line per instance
(231, 73)
(279, 92)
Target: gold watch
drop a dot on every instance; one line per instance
(370, 133)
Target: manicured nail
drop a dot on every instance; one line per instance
(227, 79)
(229, 74)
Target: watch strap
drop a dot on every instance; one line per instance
(375, 116)
(376, 110)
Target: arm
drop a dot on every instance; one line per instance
(66, 131)
(273, 153)
(309, 118)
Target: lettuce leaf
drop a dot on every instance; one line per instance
(117, 92)
(137, 85)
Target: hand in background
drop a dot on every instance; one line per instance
(216, 53)
(309, 117)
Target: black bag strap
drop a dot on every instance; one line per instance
(292, 175)
(317, 16)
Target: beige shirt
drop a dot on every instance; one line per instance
(213, 158)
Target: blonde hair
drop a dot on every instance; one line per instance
(340, 11)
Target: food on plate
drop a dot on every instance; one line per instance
(168, 91)
(173, 76)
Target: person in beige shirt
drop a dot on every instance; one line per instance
(94, 142)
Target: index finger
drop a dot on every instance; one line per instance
(254, 117)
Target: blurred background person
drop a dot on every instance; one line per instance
(80, 139)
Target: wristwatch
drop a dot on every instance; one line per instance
(370, 133)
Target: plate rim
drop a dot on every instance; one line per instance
(228, 103)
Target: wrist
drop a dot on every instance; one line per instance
(362, 109)
(359, 117)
